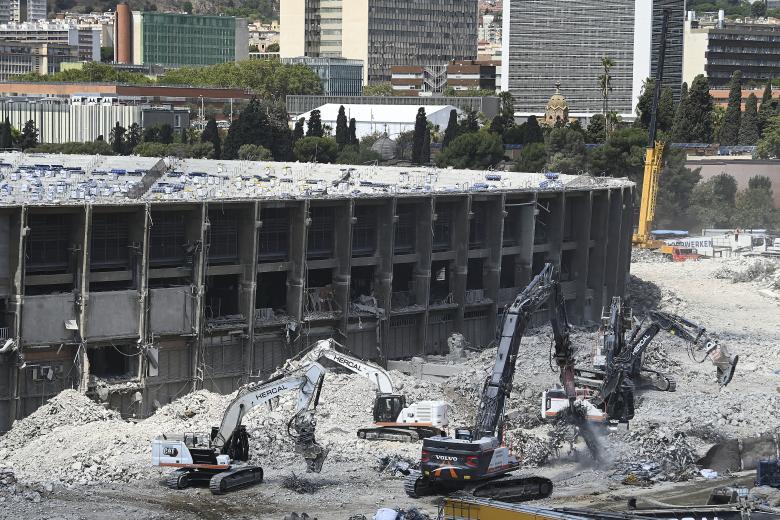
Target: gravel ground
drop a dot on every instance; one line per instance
(75, 460)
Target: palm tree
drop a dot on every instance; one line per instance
(605, 83)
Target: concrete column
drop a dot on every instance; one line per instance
(461, 220)
(140, 235)
(598, 252)
(614, 227)
(525, 260)
(296, 275)
(422, 271)
(627, 228)
(491, 269)
(555, 231)
(582, 207)
(344, 219)
(383, 274)
(196, 230)
(82, 305)
(17, 301)
(248, 227)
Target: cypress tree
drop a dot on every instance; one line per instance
(298, 130)
(29, 137)
(533, 132)
(767, 96)
(352, 132)
(426, 151)
(768, 107)
(117, 138)
(6, 137)
(678, 126)
(418, 140)
(315, 125)
(729, 132)
(341, 127)
(748, 126)
(452, 129)
(694, 123)
(665, 114)
(211, 135)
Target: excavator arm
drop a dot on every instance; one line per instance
(499, 385)
(228, 438)
(564, 354)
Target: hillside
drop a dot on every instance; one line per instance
(263, 10)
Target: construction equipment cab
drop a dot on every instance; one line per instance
(219, 458)
(680, 253)
(393, 418)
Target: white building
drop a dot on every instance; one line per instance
(22, 10)
(389, 119)
(86, 39)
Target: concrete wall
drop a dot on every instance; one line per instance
(112, 314)
(44, 317)
(171, 310)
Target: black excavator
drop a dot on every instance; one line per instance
(476, 460)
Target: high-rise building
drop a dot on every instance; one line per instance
(339, 76)
(25, 57)
(85, 39)
(381, 33)
(563, 41)
(175, 40)
(22, 10)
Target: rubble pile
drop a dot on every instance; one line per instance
(765, 271)
(659, 454)
(647, 256)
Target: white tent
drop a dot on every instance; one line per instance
(390, 119)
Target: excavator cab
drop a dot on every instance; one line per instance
(387, 407)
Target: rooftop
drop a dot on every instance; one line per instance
(55, 179)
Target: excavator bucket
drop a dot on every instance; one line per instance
(725, 364)
(306, 445)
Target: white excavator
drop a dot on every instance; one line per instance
(220, 458)
(393, 419)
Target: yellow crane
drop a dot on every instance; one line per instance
(653, 158)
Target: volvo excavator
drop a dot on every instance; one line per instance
(393, 419)
(608, 394)
(220, 458)
(476, 459)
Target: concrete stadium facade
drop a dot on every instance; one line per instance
(139, 297)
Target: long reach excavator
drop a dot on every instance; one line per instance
(476, 459)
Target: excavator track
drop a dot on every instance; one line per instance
(179, 479)
(513, 489)
(389, 433)
(416, 486)
(235, 478)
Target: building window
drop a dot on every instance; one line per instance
(47, 245)
(109, 246)
(404, 229)
(167, 239)
(364, 231)
(321, 233)
(274, 235)
(442, 229)
(223, 237)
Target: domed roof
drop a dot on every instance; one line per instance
(557, 101)
(385, 147)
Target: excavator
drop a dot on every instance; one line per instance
(393, 419)
(220, 458)
(476, 459)
(608, 395)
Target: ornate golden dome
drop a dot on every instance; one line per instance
(557, 101)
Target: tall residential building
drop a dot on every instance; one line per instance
(339, 76)
(176, 40)
(563, 41)
(381, 33)
(22, 10)
(717, 49)
(25, 57)
(85, 39)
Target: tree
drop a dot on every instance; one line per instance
(754, 207)
(664, 118)
(254, 152)
(505, 119)
(274, 47)
(694, 121)
(533, 132)
(403, 144)
(420, 130)
(166, 133)
(760, 182)
(314, 128)
(187, 7)
(251, 127)
(90, 148)
(133, 137)
(91, 72)
(452, 129)
(675, 187)
(342, 130)
(474, 151)
(353, 154)
(532, 158)
(352, 132)
(426, 150)
(566, 151)
(729, 132)
(378, 90)
(748, 126)
(211, 135)
(6, 136)
(117, 138)
(713, 201)
(316, 149)
(298, 130)
(758, 9)
(679, 125)
(595, 131)
(768, 108)
(769, 145)
(470, 123)
(605, 84)
(623, 155)
(29, 137)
